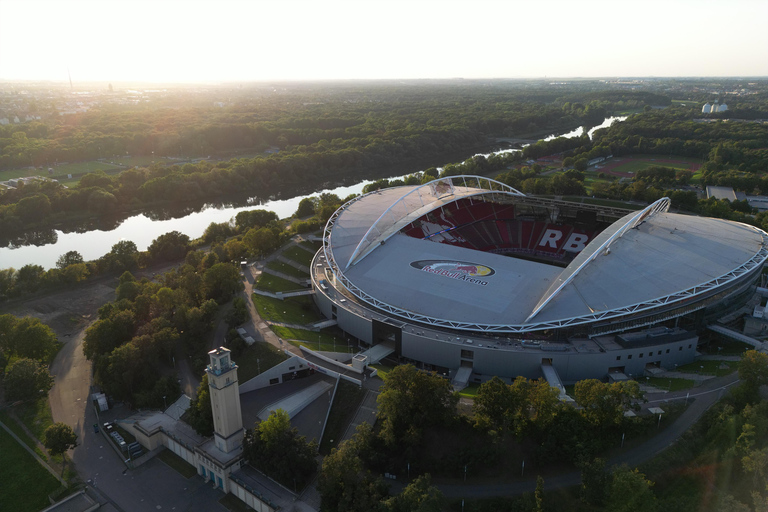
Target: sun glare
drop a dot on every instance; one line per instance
(174, 41)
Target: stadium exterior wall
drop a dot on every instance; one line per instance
(422, 345)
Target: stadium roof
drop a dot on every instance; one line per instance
(640, 262)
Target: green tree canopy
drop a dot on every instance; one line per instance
(410, 401)
(253, 219)
(200, 412)
(306, 207)
(603, 405)
(345, 485)
(631, 492)
(169, 247)
(33, 339)
(278, 450)
(124, 255)
(69, 258)
(26, 379)
(59, 438)
(418, 496)
(221, 281)
(753, 369)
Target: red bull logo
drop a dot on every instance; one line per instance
(459, 270)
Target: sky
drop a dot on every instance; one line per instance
(189, 41)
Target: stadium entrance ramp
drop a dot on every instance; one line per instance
(378, 352)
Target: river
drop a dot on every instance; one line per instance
(142, 230)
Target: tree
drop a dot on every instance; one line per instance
(410, 401)
(7, 280)
(253, 219)
(278, 450)
(221, 281)
(594, 482)
(539, 494)
(306, 207)
(33, 339)
(26, 379)
(217, 232)
(58, 438)
(418, 496)
(28, 278)
(33, 208)
(106, 334)
(127, 372)
(169, 247)
(345, 485)
(74, 273)
(631, 492)
(604, 404)
(753, 369)
(261, 241)
(7, 328)
(124, 255)
(494, 406)
(69, 258)
(200, 412)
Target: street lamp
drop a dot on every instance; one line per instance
(164, 403)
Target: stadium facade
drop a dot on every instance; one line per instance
(471, 278)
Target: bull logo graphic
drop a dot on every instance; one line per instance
(453, 268)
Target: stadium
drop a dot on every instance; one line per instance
(473, 279)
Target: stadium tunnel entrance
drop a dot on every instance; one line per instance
(388, 335)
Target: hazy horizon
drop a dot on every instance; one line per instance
(231, 41)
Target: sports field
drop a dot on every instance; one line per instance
(627, 166)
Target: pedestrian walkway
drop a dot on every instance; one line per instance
(366, 413)
(736, 335)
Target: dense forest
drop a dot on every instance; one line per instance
(289, 141)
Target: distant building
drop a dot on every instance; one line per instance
(721, 193)
(713, 109)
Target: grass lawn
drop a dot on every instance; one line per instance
(309, 339)
(36, 416)
(16, 429)
(470, 391)
(177, 463)
(725, 347)
(274, 284)
(382, 370)
(299, 255)
(26, 484)
(671, 384)
(710, 367)
(258, 356)
(290, 270)
(345, 403)
(312, 246)
(293, 310)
